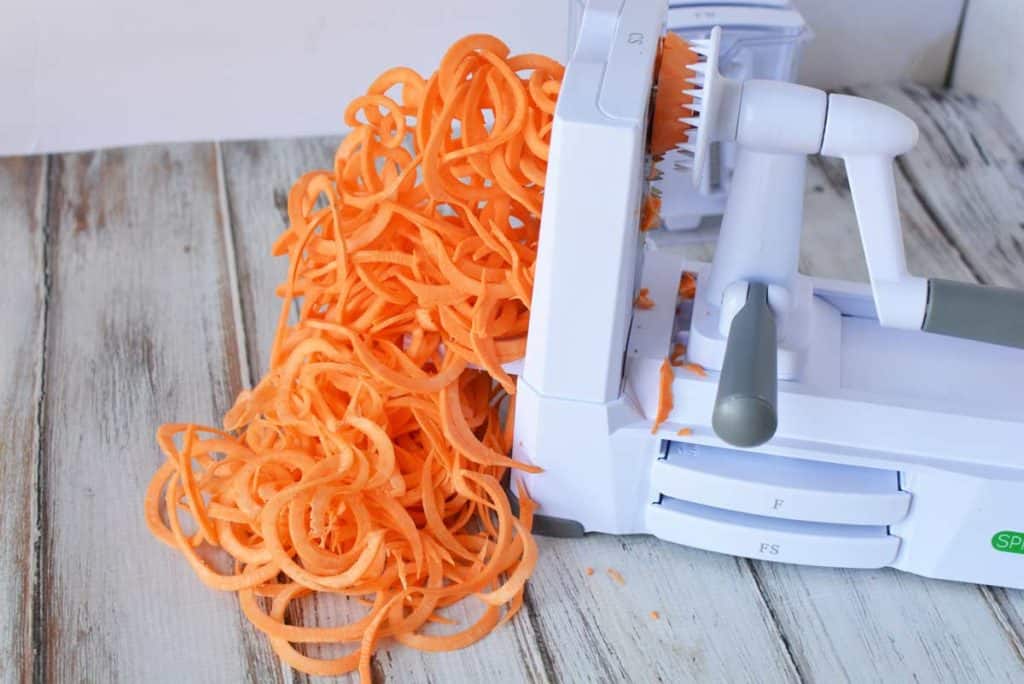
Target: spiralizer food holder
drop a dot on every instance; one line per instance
(838, 424)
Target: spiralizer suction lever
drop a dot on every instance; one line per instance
(746, 408)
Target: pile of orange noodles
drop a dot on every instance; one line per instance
(368, 461)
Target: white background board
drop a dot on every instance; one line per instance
(879, 41)
(79, 75)
(990, 62)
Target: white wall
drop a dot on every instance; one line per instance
(78, 74)
(990, 62)
(870, 41)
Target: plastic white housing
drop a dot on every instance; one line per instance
(893, 447)
(781, 117)
(587, 259)
(868, 135)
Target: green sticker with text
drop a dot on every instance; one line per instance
(1008, 542)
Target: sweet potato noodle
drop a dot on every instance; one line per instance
(368, 461)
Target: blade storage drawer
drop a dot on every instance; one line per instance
(779, 487)
(772, 539)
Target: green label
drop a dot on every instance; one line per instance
(1008, 541)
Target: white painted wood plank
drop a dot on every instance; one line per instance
(140, 332)
(1008, 607)
(831, 245)
(713, 626)
(22, 299)
(258, 177)
(884, 625)
(968, 170)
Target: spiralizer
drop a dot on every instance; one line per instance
(836, 424)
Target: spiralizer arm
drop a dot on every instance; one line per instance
(867, 135)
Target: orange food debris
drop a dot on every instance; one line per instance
(643, 301)
(655, 615)
(368, 460)
(664, 394)
(616, 575)
(688, 286)
(684, 432)
(589, 571)
(671, 101)
(650, 214)
(696, 369)
(678, 352)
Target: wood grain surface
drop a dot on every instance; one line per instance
(23, 301)
(140, 331)
(139, 289)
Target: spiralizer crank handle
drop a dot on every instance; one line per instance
(867, 135)
(746, 408)
(975, 312)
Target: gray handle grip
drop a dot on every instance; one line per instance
(746, 413)
(975, 312)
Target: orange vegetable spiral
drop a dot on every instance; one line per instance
(368, 460)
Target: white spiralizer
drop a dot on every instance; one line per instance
(820, 434)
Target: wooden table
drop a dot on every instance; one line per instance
(137, 289)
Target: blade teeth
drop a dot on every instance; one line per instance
(695, 93)
(692, 120)
(695, 107)
(704, 51)
(698, 67)
(689, 147)
(695, 80)
(684, 164)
